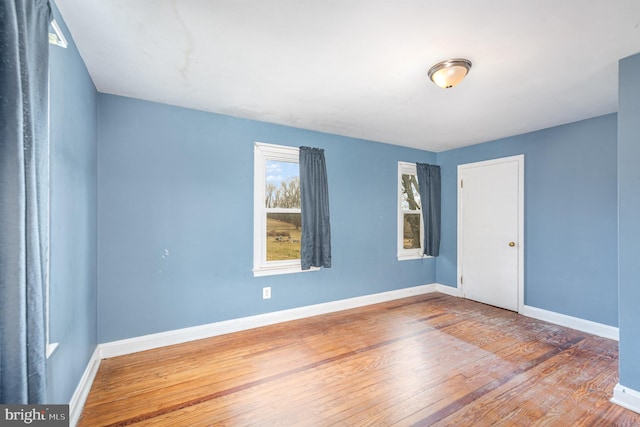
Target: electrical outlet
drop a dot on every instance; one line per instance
(266, 293)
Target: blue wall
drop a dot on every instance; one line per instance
(629, 220)
(175, 219)
(73, 279)
(570, 215)
(152, 210)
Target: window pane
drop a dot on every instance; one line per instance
(410, 195)
(282, 188)
(411, 231)
(283, 236)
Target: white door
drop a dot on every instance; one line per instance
(490, 231)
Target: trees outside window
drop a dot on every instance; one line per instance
(410, 229)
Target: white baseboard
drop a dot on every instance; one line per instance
(576, 323)
(84, 386)
(626, 397)
(448, 290)
(178, 336)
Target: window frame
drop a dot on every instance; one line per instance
(50, 346)
(262, 153)
(406, 168)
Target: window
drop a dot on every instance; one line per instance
(410, 229)
(277, 214)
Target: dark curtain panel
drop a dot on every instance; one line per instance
(429, 189)
(24, 198)
(315, 243)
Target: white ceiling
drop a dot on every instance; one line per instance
(358, 68)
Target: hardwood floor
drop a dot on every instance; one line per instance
(429, 360)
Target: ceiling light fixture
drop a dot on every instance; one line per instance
(449, 73)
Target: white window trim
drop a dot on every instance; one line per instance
(51, 346)
(262, 267)
(406, 168)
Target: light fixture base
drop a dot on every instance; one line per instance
(449, 73)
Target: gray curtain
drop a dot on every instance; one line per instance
(24, 187)
(429, 189)
(315, 243)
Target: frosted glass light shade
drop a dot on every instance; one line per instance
(447, 74)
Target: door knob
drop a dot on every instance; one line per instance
(512, 244)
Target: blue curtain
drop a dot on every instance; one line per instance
(24, 189)
(429, 189)
(315, 243)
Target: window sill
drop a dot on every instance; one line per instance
(272, 271)
(408, 257)
(51, 347)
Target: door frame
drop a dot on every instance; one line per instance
(520, 238)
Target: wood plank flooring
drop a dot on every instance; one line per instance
(429, 360)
